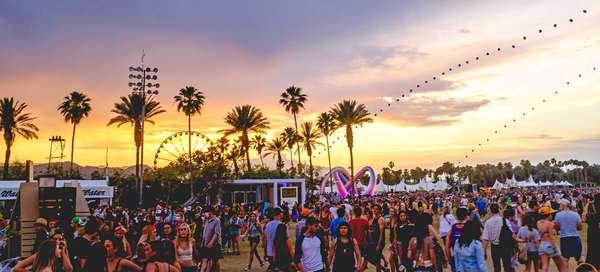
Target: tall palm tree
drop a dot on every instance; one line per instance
(309, 136)
(259, 143)
(15, 121)
(244, 120)
(349, 113)
(326, 123)
(234, 155)
(74, 108)
(290, 137)
(190, 101)
(274, 148)
(129, 111)
(292, 100)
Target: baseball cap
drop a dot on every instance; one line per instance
(546, 210)
(275, 211)
(565, 202)
(41, 221)
(471, 206)
(305, 212)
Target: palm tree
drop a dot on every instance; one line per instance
(349, 113)
(190, 100)
(259, 143)
(245, 119)
(234, 155)
(327, 125)
(309, 134)
(74, 108)
(129, 111)
(14, 121)
(290, 137)
(292, 100)
(274, 148)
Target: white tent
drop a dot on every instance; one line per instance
(498, 185)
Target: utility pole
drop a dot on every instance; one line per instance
(143, 78)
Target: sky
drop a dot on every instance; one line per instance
(248, 52)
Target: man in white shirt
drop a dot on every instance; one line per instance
(310, 250)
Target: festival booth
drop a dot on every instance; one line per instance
(274, 191)
(93, 190)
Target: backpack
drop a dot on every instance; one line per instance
(506, 237)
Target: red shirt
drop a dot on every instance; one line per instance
(359, 228)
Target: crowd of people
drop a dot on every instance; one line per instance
(418, 231)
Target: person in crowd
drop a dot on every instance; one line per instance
(474, 214)
(155, 254)
(359, 228)
(310, 250)
(254, 232)
(406, 231)
(491, 235)
(52, 256)
(592, 218)
(393, 256)
(211, 242)
(325, 217)
(568, 223)
(282, 249)
(305, 213)
(185, 247)
(421, 249)
(115, 263)
(548, 247)
(446, 222)
(88, 251)
(455, 232)
(529, 235)
(41, 232)
(127, 251)
(149, 234)
(341, 217)
(168, 232)
(344, 253)
(269, 234)
(234, 233)
(468, 251)
(376, 240)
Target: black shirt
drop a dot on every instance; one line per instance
(94, 255)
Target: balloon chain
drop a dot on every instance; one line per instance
(406, 94)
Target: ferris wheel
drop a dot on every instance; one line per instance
(176, 147)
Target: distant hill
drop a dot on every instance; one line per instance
(86, 171)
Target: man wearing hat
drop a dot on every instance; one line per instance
(41, 232)
(568, 223)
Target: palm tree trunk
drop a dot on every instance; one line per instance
(72, 149)
(329, 161)
(262, 163)
(291, 157)
(6, 161)
(350, 142)
(246, 143)
(190, 154)
(310, 168)
(297, 142)
(279, 161)
(137, 161)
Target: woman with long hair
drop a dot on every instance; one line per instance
(149, 234)
(185, 247)
(393, 249)
(529, 234)
(468, 249)
(156, 261)
(421, 249)
(344, 254)
(114, 262)
(253, 231)
(282, 250)
(126, 251)
(61, 261)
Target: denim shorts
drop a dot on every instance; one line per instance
(548, 249)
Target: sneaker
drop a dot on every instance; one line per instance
(246, 269)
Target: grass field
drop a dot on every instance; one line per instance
(237, 263)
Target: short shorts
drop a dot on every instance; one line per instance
(548, 249)
(571, 247)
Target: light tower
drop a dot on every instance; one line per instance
(143, 82)
(57, 148)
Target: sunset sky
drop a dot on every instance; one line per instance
(248, 52)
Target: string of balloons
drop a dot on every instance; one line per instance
(519, 117)
(498, 50)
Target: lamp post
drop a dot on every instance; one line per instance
(144, 83)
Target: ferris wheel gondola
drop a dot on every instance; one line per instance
(177, 147)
